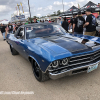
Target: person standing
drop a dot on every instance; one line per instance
(1, 25)
(65, 24)
(90, 23)
(10, 26)
(78, 24)
(71, 22)
(49, 21)
(16, 27)
(6, 30)
(34, 20)
(3, 30)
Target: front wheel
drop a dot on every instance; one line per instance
(39, 75)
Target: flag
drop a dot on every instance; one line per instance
(22, 7)
(78, 6)
(20, 3)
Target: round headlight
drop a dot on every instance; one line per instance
(65, 61)
(55, 64)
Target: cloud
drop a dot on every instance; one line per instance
(48, 8)
(57, 3)
(60, 3)
(38, 8)
(38, 15)
(2, 8)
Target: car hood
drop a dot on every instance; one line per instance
(62, 44)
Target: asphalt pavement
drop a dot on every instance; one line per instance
(16, 75)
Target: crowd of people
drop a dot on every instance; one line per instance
(78, 23)
(12, 28)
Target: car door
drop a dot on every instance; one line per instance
(21, 42)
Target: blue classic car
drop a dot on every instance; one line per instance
(54, 53)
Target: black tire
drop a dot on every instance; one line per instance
(39, 75)
(13, 51)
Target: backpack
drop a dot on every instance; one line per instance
(79, 23)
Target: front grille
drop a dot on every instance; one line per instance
(78, 61)
(85, 59)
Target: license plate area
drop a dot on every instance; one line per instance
(92, 68)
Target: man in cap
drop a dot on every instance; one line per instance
(78, 24)
(71, 22)
(90, 23)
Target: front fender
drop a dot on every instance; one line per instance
(41, 56)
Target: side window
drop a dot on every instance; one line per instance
(35, 31)
(21, 33)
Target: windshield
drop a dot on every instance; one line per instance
(43, 30)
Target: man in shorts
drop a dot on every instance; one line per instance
(90, 23)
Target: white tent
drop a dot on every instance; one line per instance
(4, 22)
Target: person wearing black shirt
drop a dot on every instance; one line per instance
(3, 31)
(65, 24)
(1, 25)
(78, 24)
(10, 28)
(90, 23)
(71, 22)
(17, 26)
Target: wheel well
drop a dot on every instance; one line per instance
(30, 59)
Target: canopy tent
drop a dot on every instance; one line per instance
(4, 22)
(62, 14)
(71, 11)
(97, 9)
(89, 5)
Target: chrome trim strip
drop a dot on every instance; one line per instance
(80, 59)
(69, 72)
(97, 54)
(84, 62)
(85, 54)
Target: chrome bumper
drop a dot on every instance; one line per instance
(70, 72)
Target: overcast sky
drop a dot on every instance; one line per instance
(38, 7)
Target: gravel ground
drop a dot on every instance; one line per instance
(16, 75)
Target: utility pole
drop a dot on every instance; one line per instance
(63, 5)
(29, 8)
